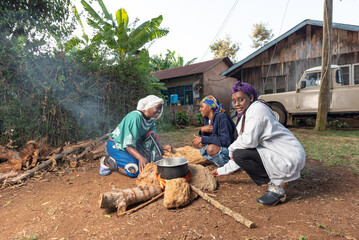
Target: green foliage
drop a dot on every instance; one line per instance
(116, 34)
(225, 48)
(338, 124)
(182, 118)
(198, 116)
(158, 62)
(261, 35)
(70, 95)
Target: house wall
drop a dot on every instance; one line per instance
(217, 85)
(212, 84)
(190, 110)
(298, 52)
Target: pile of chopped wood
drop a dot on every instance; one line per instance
(17, 165)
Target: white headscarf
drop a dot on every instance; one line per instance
(149, 102)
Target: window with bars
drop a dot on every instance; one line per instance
(274, 84)
(184, 92)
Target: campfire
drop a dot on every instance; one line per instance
(177, 192)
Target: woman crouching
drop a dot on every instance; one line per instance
(268, 152)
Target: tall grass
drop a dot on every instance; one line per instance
(332, 147)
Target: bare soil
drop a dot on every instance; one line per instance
(63, 204)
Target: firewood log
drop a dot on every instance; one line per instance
(35, 157)
(52, 159)
(4, 176)
(121, 199)
(13, 163)
(72, 160)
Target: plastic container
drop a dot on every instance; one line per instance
(174, 98)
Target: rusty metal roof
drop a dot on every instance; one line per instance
(196, 68)
(229, 71)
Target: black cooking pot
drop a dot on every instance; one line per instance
(170, 168)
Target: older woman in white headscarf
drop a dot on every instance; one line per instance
(134, 142)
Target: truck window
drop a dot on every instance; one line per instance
(312, 79)
(338, 76)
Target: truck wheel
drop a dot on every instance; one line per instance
(279, 114)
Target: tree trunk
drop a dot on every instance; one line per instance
(326, 78)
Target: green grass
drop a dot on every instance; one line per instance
(332, 147)
(178, 137)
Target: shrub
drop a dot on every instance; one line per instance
(198, 116)
(182, 118)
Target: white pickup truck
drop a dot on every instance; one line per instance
(344, 99)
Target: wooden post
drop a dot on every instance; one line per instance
(326, 78)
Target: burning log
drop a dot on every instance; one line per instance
(121, 199)
(238, 217)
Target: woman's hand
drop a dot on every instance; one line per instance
(197, 142)
(167, 148)
(215, 173)
(142, 163)
(207, 129)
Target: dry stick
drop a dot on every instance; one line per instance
(8, 175)
(142, 205)
(238, 217)
(51, 159)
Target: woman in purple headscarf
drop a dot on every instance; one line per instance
(268, 152)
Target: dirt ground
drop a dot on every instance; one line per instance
(63, 204)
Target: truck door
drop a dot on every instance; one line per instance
(307, 97)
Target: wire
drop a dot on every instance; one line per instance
(275, 46)
(221, 28)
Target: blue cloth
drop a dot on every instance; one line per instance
(223, 131)
(126, 163)
(220, 159)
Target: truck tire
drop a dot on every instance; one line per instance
(279, 113)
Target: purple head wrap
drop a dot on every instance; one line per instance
(246, 88)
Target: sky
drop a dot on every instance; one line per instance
(195, 24)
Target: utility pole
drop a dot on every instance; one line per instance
(324, 94)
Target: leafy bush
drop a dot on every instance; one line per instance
(198, 116)
(182, 118)
(338, 124)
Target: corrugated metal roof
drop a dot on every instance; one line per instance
(190, 69)
(288, 33)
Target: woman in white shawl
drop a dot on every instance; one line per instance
(268, 152)
(134, 142)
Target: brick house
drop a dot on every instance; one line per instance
(195, 81)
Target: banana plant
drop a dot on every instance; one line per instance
(116, 33)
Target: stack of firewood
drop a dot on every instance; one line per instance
(37, 155)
